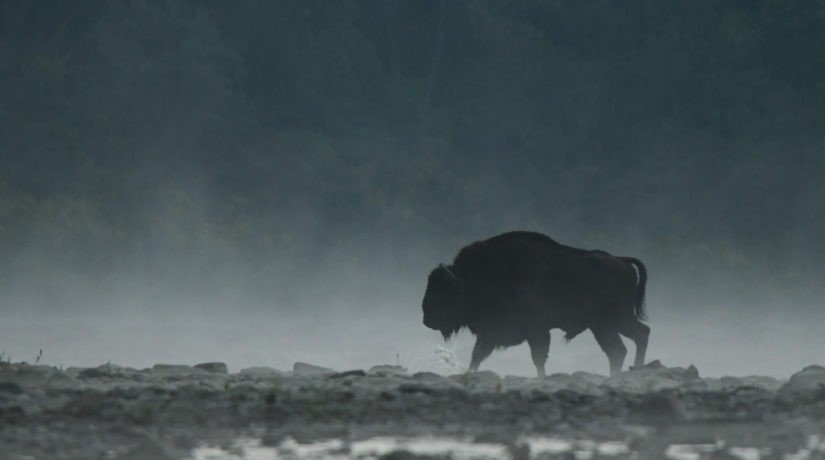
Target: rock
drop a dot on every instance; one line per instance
(352, 373)
(85, 405)
(415, 388)
(655, 377)
(261, 372)
(148, 448)
(579, 382)
(484, 376)
(92, 373)
(214, 368)
(401, 454)
(482, 380)
(32, 375)
(587, 377)
(107, 371)
(388, 370)
(310, 370)
(657, 406)
(431, 380)
(428, 376)
(10, 388)
(728, 383)
(515, 380)
(810, 378)
(176, 370)
(655, 364)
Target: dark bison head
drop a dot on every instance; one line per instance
(443, 303)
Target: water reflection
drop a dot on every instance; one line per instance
(465, 449)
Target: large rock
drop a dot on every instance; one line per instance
(729, 383)
(107, 371)
(176, 371)
(810, 378)
(433, 380)
(214, 368)
(387, 370)
(428, 376)
(479, 381)
(655, 377)
(10, 388)
(310, 370)
(34, 375)
(150, 448)
(345, 374)
(579, 382)
(261, 372)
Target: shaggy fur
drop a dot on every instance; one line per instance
(517, 286)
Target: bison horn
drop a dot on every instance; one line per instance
(456, 279)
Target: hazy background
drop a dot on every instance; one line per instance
(262, 182)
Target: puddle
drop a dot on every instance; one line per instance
(466, 449)
(373, 448)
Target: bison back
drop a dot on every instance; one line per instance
(528, 278)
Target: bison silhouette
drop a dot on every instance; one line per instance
(518, 286)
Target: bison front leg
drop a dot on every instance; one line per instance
(613, 347)
(539, 348)
(481, 351)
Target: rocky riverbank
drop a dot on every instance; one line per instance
(203, 411)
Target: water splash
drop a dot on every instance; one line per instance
(448, 363)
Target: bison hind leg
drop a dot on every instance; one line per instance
(612, 345)
(638, 332)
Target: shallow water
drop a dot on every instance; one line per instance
(466, 449)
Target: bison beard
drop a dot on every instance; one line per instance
(519, 285)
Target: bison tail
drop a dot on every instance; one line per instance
(640, 285)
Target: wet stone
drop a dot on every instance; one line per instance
(10, 388)
(657, 407)
(92, 373)
(428, 376)
(148, 448)
(476, 377)
(809, 378)
(729, 383)
(28, 375)
(214, 368)
(387, 369)
(353, 373)
(175, 369)
(260, 372)
(655, 364)
(407, 455)
(484, 376)
(85, 405)
(653, 378)
(408, 388)
(311, 370)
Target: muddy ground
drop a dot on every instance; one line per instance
(204, 412)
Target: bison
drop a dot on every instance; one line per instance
(518, 286)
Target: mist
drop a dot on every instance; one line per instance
(269, 182)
